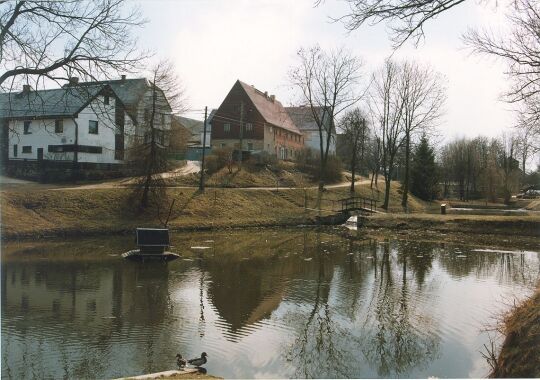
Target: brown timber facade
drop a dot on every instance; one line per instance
(266, 125)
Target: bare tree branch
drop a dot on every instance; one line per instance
(60, 39)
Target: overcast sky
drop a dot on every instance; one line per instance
(214, 43)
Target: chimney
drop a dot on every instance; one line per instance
(123, 77)
(272, 98)
(266, 94)
(26, 88)
(73, 81)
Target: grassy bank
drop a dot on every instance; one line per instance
(113, 210)
(519, 356)
(62, 212)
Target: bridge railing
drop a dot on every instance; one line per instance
(342, 205)
(356, 203)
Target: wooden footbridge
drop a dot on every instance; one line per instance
(344, 208)
(352, 204)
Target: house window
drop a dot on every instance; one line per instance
(249, 127)
(27, 127)
(250, 146)
(93, 127)
(106, 100)
(27, 149)
(15, 150)
(223, 145)
(59, 126)
(226, 127)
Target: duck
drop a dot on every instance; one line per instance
(181, 362)
(197, 362)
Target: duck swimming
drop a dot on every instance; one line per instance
(181, 362)
(197, 362)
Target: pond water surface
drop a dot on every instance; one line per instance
(261, 303)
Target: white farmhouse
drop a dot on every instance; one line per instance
(82, 124)
(303, 119)
(91, 125)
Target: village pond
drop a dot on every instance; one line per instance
(262, 303)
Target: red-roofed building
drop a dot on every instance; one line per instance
(267, 126)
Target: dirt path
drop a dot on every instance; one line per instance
(191, 167)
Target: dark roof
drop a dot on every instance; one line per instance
(60, 102)
(270, 109)
(129, 91)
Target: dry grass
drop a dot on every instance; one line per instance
(92, 211)
(284, 175)
(520, 353)
(533, 205)
(87, 211)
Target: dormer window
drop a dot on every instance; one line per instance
(93, 127)
(27, 130)
(59, 126)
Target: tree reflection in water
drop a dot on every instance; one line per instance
(399, 338)
(394, 338)
(269, 303)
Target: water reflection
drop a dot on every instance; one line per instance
(287, 303)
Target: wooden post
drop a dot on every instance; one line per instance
(201, 184)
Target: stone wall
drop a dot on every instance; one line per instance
(63, 171)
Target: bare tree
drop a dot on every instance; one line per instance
(521, 50)
(404, 18)
(54, 40)
(423, 96)
(328, 82)
(388, 107)
(509, 166)
(150, 150)
(527, 145)
(356, 133)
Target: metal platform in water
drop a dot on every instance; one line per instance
(137, 255)
(152, 243)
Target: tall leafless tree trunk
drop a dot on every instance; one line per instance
(388, 107)
(353, 126)
(423, 96)
(328, 83)
(150, 153)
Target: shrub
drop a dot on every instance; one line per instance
(308, 161)
(219, 159)
(211, 164)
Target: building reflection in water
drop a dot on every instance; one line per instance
(285, 303)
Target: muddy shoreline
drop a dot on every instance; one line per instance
(402, 227)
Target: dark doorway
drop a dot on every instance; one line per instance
(40, 154)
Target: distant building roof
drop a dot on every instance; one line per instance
(194, 126)
(270, 108)
(303, 117)
(61, 102)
